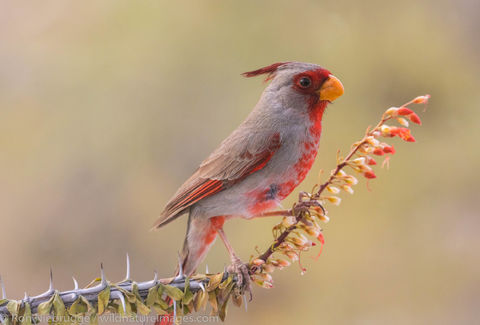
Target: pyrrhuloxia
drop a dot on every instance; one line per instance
(260, 163)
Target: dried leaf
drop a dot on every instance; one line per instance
(212, 299)
(200, 301)
(94, 282)
(222, 313)
(214, 282)
(237, 300)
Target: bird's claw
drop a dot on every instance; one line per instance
(304, 206)
(241, 270)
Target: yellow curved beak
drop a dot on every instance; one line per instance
(331, 89)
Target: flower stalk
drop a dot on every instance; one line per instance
(308, 211)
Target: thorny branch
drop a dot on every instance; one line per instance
(126, 298)
(181, 295)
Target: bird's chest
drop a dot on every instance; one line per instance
(296, 173)
(289, 169)
(290, 164)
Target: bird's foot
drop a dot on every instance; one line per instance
(304, 206)
(241, 270)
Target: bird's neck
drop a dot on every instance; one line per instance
(316, 110)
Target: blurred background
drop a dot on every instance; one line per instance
(106, 107)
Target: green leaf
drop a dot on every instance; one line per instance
(58, 306)
(93, 318)
(159, 310)
(27, 315)
(187, 293)
(141, 308)
(13, 307)
(86, 302)
(161, 289)
(186, 310)
(128, 306)
(78, 307)
(162, 303)
(152, 296)
(103, 299)
(45, 307)
(135, 291)
(225, 283)
(173, 292)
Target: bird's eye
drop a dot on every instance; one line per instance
(305, 82)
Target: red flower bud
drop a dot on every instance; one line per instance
(389, 149)
(371, 161)
(404, 111)
(378, 152)
(370, 174)
(415, 119)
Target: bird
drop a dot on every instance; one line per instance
(259, 164)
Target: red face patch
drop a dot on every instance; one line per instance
(309, 82)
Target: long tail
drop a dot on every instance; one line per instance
(201, 234)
